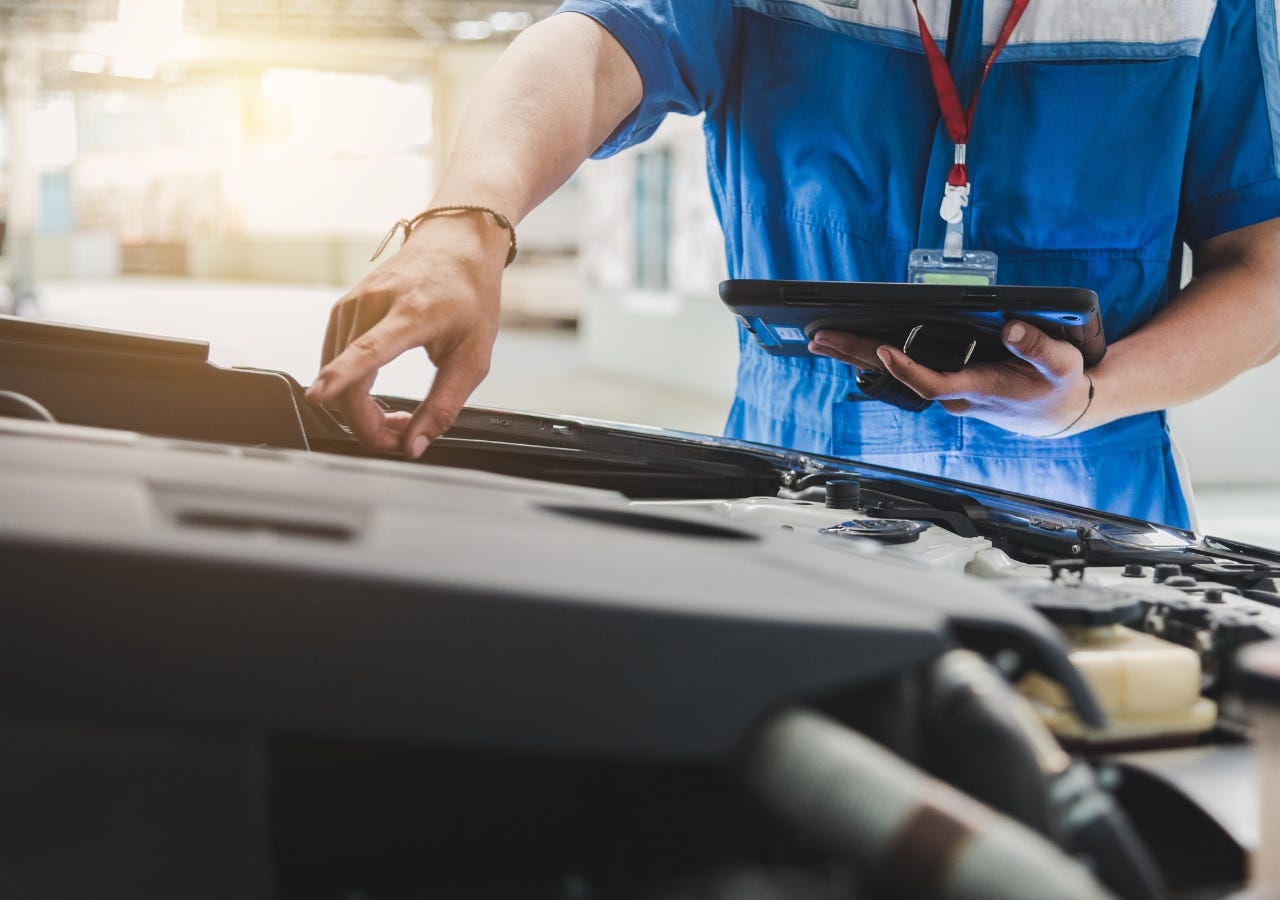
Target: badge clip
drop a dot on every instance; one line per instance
(954, 199)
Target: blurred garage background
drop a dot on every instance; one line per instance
(222, 169)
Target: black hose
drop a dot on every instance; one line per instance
(988, 742)
(991, 744)
(1095, 828)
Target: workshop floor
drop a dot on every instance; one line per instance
(533, 369)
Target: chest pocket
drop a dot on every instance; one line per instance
(1082, 154)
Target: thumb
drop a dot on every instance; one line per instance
(1051, 358)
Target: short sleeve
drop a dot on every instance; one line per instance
(682, 49)
(1232, 173)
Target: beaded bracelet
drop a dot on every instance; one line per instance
(409, 224)
(1077, 419)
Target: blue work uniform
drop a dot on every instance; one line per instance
(1109, 132)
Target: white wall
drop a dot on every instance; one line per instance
(1232, 437)
(681, 337)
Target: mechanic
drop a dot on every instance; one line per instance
(1108, 133)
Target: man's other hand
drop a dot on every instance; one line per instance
(440, 292)
(1041, 391)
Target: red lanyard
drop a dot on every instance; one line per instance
(958, 120)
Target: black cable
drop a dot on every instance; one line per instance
(952, 25)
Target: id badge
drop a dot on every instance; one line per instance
(973, 267)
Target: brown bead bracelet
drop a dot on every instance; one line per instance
(407, 225)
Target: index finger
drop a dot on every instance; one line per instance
(846, 346)
(362, 358)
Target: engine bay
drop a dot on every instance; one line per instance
(575, 659)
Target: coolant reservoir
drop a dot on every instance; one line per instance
(1149, 688)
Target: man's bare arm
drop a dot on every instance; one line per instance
(1226, 321)
(556, 93)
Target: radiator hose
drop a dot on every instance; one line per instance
(924, 837)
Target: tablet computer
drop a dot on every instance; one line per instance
(784, 315)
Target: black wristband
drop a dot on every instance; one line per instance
(1077, 419)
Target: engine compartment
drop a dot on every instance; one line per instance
(573, 659)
